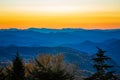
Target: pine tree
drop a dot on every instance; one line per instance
(18, 70)
(102, 67)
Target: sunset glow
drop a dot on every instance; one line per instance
(88, 14)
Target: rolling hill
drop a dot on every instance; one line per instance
(77, 45)
(81, 59)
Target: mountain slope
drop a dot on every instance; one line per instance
(38, 37)
(81, 59)
(112, 46)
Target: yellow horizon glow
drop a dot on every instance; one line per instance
(88, 14)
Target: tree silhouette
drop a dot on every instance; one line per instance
(102, 67)
(18, 70)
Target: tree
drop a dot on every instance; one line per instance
(49, 67)
(102, 67)
(18, 70)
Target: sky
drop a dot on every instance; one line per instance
(88, 14)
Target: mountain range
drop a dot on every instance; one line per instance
(74, 56)
(54, 37)
(78, 45)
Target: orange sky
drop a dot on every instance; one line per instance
(26, 14)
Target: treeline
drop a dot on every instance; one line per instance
(44, 67)
(52, 67)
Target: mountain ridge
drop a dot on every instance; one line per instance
(62, 29)
(32, 38)
(74, 56)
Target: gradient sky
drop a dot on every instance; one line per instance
(88, 14)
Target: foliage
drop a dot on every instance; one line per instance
(49, 67)
(18, 69)
(102, 68)
(2, 75)
(53, 67)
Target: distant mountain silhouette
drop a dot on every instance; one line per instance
(54, 37)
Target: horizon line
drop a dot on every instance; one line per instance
(58, 28)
